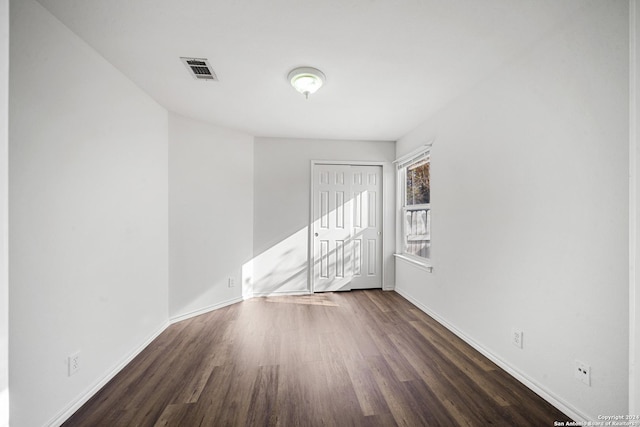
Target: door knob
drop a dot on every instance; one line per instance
(316, 234)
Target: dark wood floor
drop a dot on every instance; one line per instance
(361, 358)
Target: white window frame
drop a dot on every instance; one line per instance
(424, 152)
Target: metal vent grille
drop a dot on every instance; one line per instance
(199, 68)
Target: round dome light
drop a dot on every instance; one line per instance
(306, 80)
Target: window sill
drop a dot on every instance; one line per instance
(423, 265)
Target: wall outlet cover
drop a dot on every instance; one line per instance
(73, 363)
(517, 337)
(582, 372)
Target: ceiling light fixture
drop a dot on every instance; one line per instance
(306, 80)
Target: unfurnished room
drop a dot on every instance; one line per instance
(219, 213)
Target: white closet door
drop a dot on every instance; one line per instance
(347, 227)
(366, 190)
(332, 266)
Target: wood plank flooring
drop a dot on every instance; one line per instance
(360, 358)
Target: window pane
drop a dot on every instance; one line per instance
(418, 191)
(417, 226)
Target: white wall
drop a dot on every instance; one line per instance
(530, 202)
(210, 214)
(88, 216)
(634, 213)
(281, 207)
(4, 213)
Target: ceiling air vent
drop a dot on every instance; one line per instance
(200, 68)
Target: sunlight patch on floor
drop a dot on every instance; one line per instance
(304, 300)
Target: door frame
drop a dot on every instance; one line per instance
(386, 240)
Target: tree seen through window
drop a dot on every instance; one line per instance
(418, 190)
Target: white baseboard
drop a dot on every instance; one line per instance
(84, 397)
(204, 310)
(524, 379)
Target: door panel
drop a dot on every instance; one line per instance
(347, 229)
(332, 265)
(367, 229)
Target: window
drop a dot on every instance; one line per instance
(415, 205)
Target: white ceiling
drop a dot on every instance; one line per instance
(389, 63)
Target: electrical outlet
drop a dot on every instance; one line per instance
(582, 372)
(516, 337)
(231, 282)
(73, 363)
